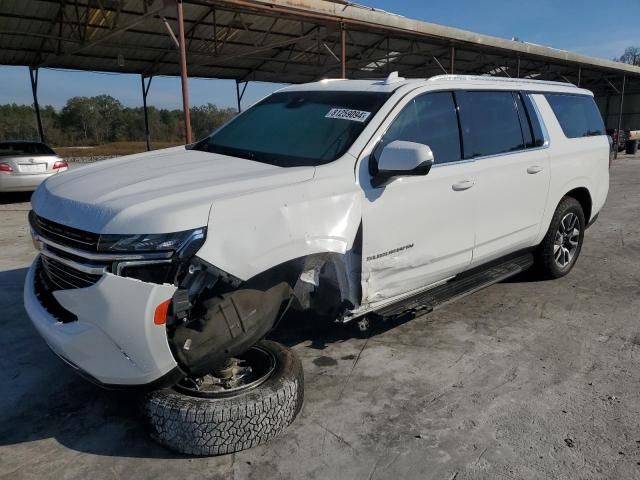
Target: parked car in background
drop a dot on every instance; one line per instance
(25, 164)
(613, 133)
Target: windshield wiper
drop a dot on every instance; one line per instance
(234, 152)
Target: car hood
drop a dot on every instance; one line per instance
(155, 192)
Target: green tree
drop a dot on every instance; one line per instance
(102, 119)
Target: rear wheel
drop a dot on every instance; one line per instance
(249, 401)
(561, 246)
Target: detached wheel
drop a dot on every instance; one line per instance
(561, 246)
(254, 398)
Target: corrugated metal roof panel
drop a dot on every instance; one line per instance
(287, 41)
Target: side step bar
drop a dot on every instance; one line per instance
(464, 284)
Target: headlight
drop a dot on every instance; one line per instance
(186, 242)
(181, 246)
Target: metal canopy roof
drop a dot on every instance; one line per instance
(289, 41)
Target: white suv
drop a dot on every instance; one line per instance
(358, 199)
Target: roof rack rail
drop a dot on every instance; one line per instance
(488, 78)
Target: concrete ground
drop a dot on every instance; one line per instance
(525, 379)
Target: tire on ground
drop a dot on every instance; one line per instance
(215, 426)
(545, 261)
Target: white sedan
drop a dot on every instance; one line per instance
(25, 164)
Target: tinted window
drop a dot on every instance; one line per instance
(291, 129)
(490, 123)
(24, 148)
(525, 124)
(578, 115)
(534, 120)
(429, 119)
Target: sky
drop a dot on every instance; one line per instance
(591, 27)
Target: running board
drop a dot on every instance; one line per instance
(462, 285)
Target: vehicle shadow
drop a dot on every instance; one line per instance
(301, 327)
(43, 398)
(15, 197)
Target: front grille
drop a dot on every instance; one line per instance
(43, 291)
(61, 276)
(68, 245)
(64, 235)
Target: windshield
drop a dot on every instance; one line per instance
(293, 129)
(10, 149)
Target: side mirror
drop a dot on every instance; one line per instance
(400, 158)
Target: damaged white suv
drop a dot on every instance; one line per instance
(358, 199)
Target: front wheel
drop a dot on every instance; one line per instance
(254, 398)
(560, 248)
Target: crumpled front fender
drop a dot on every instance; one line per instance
(250, 234)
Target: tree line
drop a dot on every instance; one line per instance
(103, 119)
(631, 55)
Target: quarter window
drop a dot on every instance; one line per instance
(490, 123)
(538, 136)
(525, 124)
(430, 119)
(578, 115)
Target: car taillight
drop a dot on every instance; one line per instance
(5, 167)
(60, 164)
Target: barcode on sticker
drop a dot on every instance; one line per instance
(347, 114)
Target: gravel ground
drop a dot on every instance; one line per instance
(523, 380)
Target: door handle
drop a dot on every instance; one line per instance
(534, 169)
(462, 185)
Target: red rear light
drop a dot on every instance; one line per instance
(60, 164)
(5, 167)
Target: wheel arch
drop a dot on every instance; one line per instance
(583, 196)
(578, 188)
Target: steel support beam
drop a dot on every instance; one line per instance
(33, 77)
(579, 75)
(183, 73)
(452, 66)
(387, 58)
(145, 91)
(624, 83)
(444, 70)
(343, 50)
(240, 93)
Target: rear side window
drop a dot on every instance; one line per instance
(578, 115)
(430, 119)
(24, 148)
(490, 123)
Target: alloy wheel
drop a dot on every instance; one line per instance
(566, 240)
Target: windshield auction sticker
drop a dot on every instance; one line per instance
(346, 114)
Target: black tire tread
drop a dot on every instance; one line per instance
(205, 426)
(545, 261)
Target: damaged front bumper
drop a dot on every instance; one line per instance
(113, 340)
